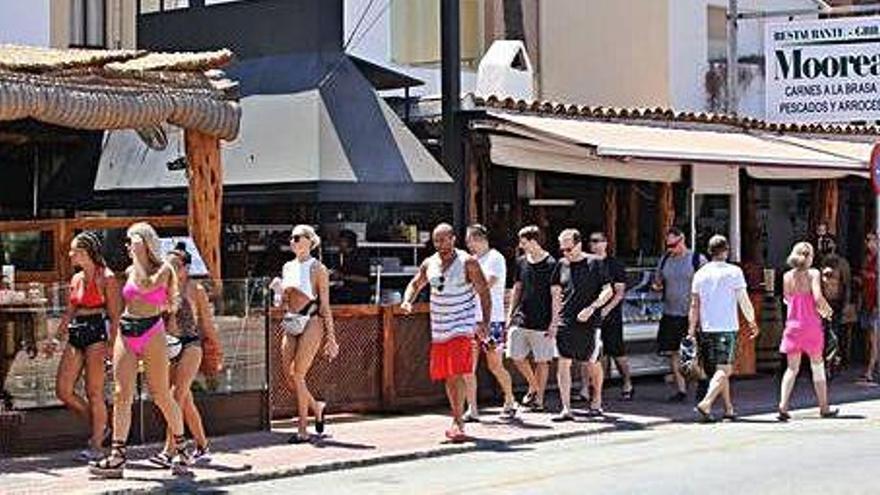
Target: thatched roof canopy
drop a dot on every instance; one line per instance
(119, 89)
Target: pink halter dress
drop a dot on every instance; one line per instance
(803, 326)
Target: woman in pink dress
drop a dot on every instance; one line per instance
(803, 328)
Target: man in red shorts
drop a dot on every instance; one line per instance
(457, 285)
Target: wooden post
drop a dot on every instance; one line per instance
(632, 218)
(665, 212)
(611, 215)
(205, 197)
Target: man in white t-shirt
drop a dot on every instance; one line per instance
(717, 289)
(495, 270)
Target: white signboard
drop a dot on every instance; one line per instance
(198, 267)
(823, 71)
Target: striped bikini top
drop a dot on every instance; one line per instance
(453, 299)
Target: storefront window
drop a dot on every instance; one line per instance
(712, 216)
(30, 251)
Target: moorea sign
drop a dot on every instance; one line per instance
(823, 71)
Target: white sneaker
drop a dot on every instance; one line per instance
(201, 455)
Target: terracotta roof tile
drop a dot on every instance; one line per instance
(668, 115)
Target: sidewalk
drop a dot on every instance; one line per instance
(363, 441)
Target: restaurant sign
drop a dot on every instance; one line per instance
(823, 71)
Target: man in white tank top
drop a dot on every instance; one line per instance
(457, 286)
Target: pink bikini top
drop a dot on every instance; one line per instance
(157, 296)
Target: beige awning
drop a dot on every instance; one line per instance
(650, 151)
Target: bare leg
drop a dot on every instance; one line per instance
(94, 366)
(719, 382)
(470, 381)
(788, 380)
(871, 337)
(156, 370)
(455, 392)
(817, 366)
(597, 377)
(622, 363)
(526, 371)
(69, 370)
(675, 364)
(183, 374)
(563, 380)
(586, 375)
(124, 376)
(306, 349)
(496, 366)
(542, 374)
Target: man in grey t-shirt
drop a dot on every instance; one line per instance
(673, 277)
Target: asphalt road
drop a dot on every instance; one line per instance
(756, 455)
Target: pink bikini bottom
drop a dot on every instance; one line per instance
(137, 332)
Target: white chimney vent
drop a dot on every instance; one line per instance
(506, 71)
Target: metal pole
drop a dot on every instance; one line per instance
(877, 229)
(450, 54)
(732, 68)
(36, 189)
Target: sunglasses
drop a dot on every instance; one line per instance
(441, 280)
(597, 241)
(566, 250)
(296, 238)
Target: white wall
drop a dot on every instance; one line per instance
(688, 46)
(25, 22)
(375, 45)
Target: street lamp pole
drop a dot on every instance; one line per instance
(732, 66)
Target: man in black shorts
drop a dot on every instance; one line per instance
(612, 318)
(674, 275)
(582, 288)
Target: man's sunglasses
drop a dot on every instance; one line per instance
(566, 250)
(596, 240)
(295, 238)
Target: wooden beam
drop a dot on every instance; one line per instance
(665, 212)
(205, 197)
(611, 215)
(632, 218)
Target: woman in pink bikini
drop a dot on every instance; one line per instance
(803, 328)
(149, 291)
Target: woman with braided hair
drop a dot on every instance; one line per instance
(93, 301)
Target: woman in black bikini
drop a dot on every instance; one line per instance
(94, 298)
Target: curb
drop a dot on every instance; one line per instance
(190, 485)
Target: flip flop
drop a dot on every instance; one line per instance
(296, 438)
(628, 395)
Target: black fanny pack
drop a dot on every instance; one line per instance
(135, 327)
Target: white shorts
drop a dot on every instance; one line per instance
(522, 341)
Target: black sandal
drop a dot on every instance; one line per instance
(113, 465)
(296, 439)
(628, 395)
(704, 417)
(830, 413)
(783, 416)
(319, 419)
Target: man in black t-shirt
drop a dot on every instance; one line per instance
(530, 316)
(583, 289)
(612, 318)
